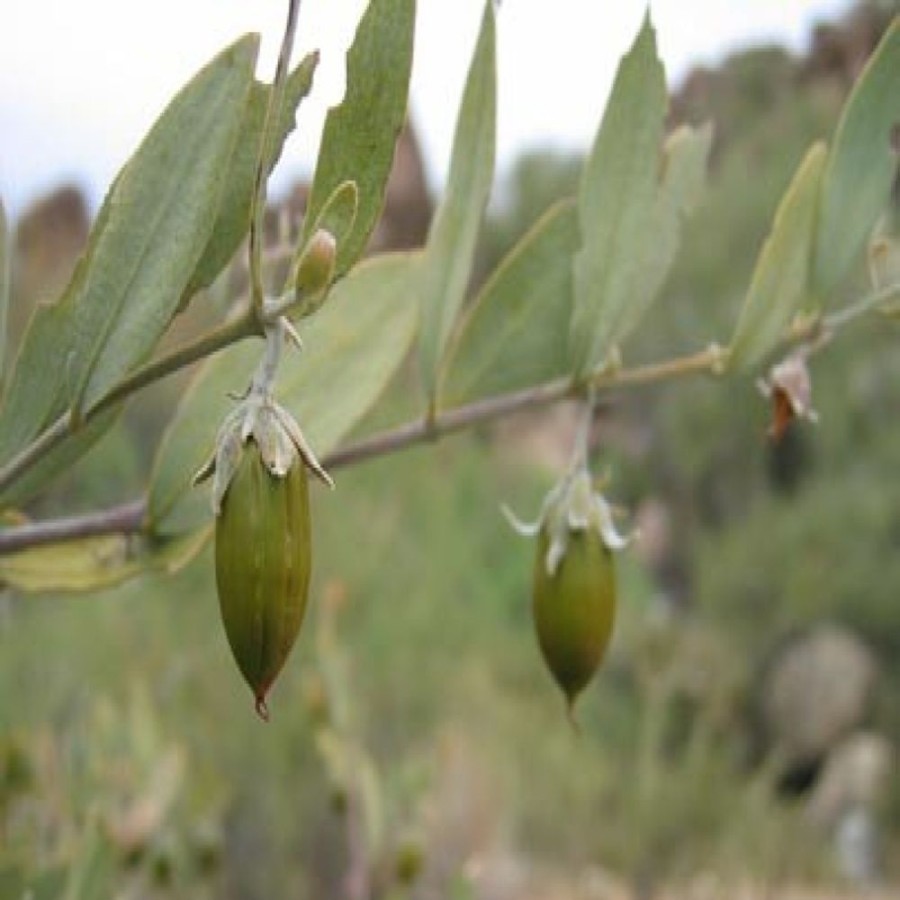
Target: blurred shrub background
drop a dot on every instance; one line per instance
(418, 748)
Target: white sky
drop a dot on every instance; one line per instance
(81, 82)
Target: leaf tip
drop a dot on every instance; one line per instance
(648, 30)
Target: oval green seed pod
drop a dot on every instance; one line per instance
(574, 608)
(263, 563)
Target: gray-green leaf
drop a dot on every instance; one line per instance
(617, 204)
(352, 348)
(360, 134)
(681, 183)
(58, 460)
(516, 333)
(861, 165)
(781, 280)
(233, 217)
(148, 237)
(450, 250)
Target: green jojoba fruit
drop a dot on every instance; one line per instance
(263, 563)
(574, 608)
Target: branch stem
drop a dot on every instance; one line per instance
(129, 518)
(273, 111)
(210, 343)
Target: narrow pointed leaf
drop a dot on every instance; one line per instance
(94, 563)
(233, 216)
(148, 237)
(617, 203)
(450, 250)
(352, 348)
(516, 332)
(681, 183)
(168, 198)
(58, 460)
(781, 286)
(360, 134)
(856, 184)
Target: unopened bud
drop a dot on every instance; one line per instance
(315, 271)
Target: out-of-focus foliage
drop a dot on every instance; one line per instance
(434, 634)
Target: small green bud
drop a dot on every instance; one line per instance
(315, 271)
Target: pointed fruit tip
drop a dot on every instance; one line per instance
(262, 710)
(570, 715)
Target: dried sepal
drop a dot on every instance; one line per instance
(604, 518)
(525, 529)
(572, 505)
(223, 461)
(789, 387)
(275, 434)
(301, 445)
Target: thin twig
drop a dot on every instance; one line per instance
(270, 126)
(125, 519)
(210, 343)
(875, 300)
(443, 423)
(222, 337)
(129, 518)
(430, 429)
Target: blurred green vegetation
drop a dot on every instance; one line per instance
(130, 758)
